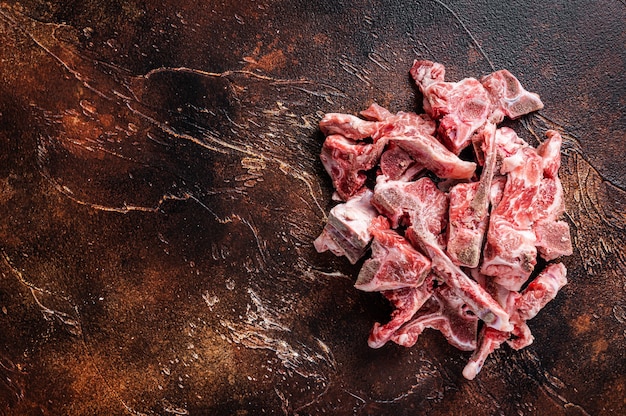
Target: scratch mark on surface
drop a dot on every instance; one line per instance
(378, 60)
(362, 400)
(458, 19)
(124, 209)
(10, 378)
(222, 145)
(262, 329)
(284, 402)
(73, 63)
(73, 325)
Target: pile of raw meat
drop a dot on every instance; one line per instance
(453, 242)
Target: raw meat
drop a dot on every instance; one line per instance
(346, 160)
(449, 252)
(348, 126)
(394, 264)
(425, 207)
(510, 254)
(347, 230)
(396, 164)
(508, 96)
(461, 107)
(406, 302)
(522, 307)
(398, 200)
(447, 313)
(434, 156)
(469, 205)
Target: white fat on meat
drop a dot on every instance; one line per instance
(347, 230)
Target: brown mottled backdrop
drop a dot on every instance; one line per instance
(160, 189)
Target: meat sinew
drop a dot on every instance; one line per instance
(455, 250)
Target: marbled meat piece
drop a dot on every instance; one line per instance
(469, 206)
(376, 112)
(348, 126)
(394, 264)
(508, 96)
(414, 134)
(510, 254)
(553, 239)
(552, 236)
(346, 161)
(398, 200)
(347, 230)
(541, 290)
(428, 151)
(396, 164)
(522, 307)
(446, 312)
(473, 295)
(550, 152)
(466, 230)
(461, 107)
(425, 208)
(406, 302)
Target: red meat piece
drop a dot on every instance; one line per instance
(461, 107)
(508, 96)
(396, 164)
(394, 264)
(445, 312)
(469, 205)
(346, 161)
(406, 302)
(347, 230)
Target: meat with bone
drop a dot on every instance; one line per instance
(346, 158)
(550, 152)
(553, 239)
(395, 263)
(376, 112)
(510, 254)
(445, 312)
(469, 205)
(518, 201)
(425, 206)
(523, 307)
(396, 164)
(434, 156)
(463, 107)
(508, 96)
(414, 134)
(347, 231)
(474, 296)
(406, 302)
(466, 229)
(348, 126)
(346, 161)
(541, 290)
(397, 200)
(553, 236)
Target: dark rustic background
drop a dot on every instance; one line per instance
(160, 188)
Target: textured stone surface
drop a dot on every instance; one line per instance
(160, 189)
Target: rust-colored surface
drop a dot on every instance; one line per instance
(160, 189)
